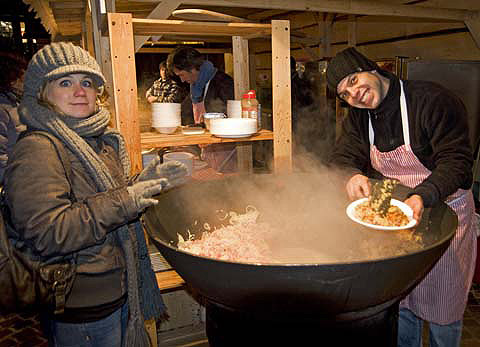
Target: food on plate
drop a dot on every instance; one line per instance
(394, 216)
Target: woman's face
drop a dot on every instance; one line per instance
(74, 95)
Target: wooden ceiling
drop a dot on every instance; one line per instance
(65, 19)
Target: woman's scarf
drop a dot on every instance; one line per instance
(146, 303)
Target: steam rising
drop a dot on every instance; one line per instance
(307, 212)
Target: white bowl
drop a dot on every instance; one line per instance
(166, 114)
(166, 106)
(233, 127)
(207, 117)
(162, 123)
(166, 130)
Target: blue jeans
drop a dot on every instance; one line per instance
(106, 332)
(410, 332)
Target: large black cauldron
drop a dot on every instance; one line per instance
(335, 304)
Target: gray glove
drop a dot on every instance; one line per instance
(142, 192)
(173, 171)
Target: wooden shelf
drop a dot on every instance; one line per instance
(150, 27)
(122, 30)
(157, 140)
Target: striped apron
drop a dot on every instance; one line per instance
(442, 295)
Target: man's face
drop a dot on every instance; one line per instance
(186, 76)
(364, 89)
(163, 72)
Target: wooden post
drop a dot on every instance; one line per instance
(228, 59)
(473, 25)
(327, 38)
(122, 55)
(242, 84)
(282, 102)
(352, 31)
(90, 32)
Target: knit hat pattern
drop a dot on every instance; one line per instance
(57, 60)
(345, 63)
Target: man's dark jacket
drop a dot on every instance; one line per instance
(438, 133)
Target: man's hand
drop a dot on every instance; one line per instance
(416, 203)
(358, 187)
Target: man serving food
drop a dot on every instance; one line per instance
(417, 133)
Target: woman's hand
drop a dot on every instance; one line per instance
(416, 203)
(173, 171)
(358, 187)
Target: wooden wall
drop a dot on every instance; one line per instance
(383, 37)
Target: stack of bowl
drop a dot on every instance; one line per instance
(166, 116)
(207, 117)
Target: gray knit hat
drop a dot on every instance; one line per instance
(56, 60)
(345, 63)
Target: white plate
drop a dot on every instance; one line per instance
(404, 207)
(236, 136)
(233, 127)
(193, 131)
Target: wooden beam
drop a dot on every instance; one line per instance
(241, 85)
(325, 22)
(170, 49)
(181, 27)
(106, 66)
(44, 12)
(161, 11)
(95, 20)
(266, 14)
(282, 102)
(125, 84)
(473, 25)
(310, 52)
(352, 31)
(240, 66)
(366, 7)
(89, 32)
(67, 5)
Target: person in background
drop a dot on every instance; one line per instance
(92, 212)
(210, 89)
(165, 89)
(12, 71)
(305, 115)
(415, 132)
(302, 93)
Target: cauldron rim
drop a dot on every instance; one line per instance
(336, 264)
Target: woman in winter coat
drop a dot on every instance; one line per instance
(12, 70)
(87, 209)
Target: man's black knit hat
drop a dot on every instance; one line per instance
(345, 63)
